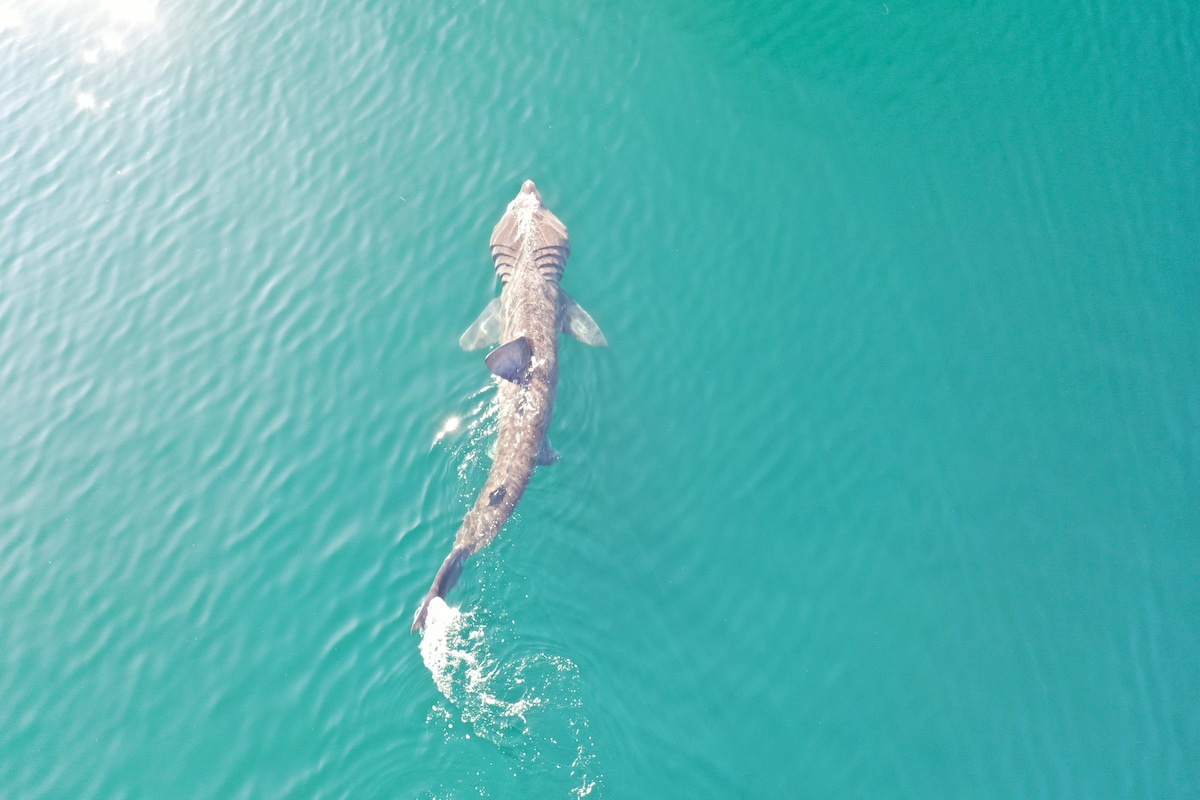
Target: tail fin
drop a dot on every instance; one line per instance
(443, 582)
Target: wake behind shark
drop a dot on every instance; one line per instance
(530, 248)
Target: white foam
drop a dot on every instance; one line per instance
(529, 704)
(441, 622)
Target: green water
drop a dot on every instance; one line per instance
(888, 485)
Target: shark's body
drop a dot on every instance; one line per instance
(530, 248)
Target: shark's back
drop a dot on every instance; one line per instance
(529, 247)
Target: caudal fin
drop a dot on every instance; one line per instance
(443, 582)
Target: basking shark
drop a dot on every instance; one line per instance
(530, 248)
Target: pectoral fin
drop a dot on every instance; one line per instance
(546, 454)
(484, 330)
(511, 360)
(579, 323)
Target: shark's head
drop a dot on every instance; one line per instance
(530, 230)
(529, 198)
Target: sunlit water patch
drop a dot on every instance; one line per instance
(10, 18)
(471, 437)
(526, 705)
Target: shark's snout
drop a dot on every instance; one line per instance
(529, 187)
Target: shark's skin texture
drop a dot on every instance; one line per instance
(530, 248)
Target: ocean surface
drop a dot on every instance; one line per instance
(887, 486)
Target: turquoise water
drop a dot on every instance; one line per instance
(888, 485)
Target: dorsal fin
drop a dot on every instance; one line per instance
(511, 360)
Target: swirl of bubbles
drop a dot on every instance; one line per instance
(527, 706)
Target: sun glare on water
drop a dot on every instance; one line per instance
(136, 12)
(451, 425)
(128, 12)
(112, 42)
(10, 19)
(114, 29)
